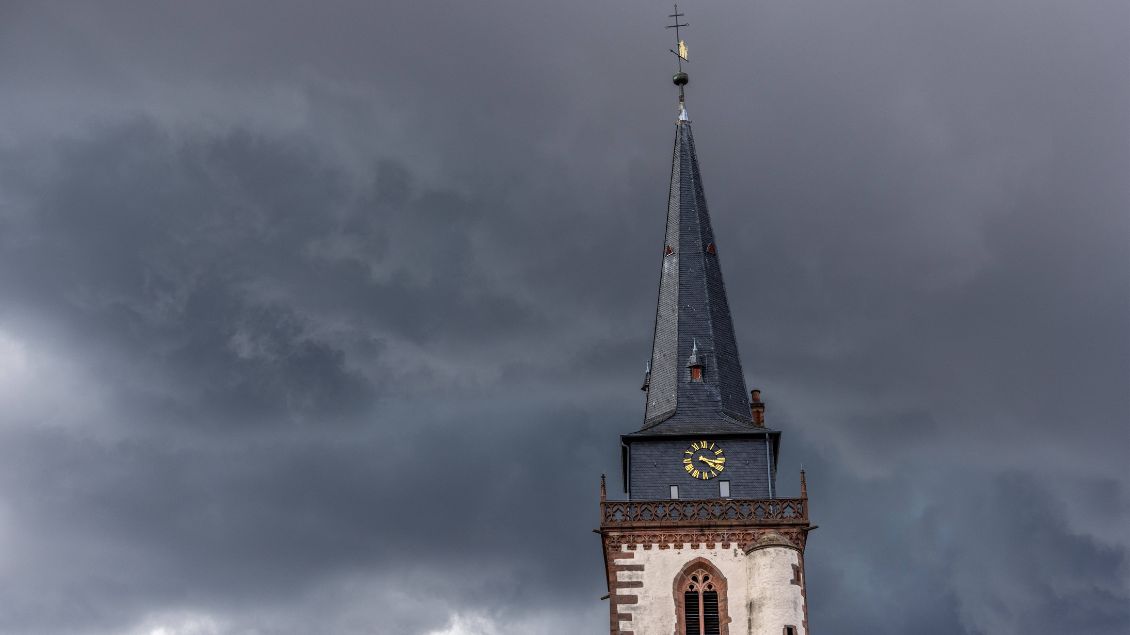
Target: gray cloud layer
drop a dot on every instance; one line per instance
(325, 319)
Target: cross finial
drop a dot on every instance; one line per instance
(681, 77)
(681, 54)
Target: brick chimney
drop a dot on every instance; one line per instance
(757, 408)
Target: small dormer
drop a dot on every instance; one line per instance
(696, 364)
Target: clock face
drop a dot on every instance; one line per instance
(704, 460)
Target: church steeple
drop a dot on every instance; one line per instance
(693, 315)
(704, 543)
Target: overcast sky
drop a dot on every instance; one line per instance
(325, 317)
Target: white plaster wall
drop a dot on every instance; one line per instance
(654, 613)
(763, 576)
(776, 601)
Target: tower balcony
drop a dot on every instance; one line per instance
(703, 513)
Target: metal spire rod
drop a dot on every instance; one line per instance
(681, 77)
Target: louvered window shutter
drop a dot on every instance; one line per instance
(711, 625)
(691, 612)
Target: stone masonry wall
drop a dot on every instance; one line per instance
(764, 588)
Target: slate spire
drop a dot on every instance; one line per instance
(693, 315)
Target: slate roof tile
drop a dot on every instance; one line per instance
(692, 310)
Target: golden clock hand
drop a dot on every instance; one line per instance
(714, 463)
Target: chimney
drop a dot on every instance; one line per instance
(757, 408)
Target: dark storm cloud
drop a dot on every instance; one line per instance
(163, 523)
(217, 263)
(217, 300)
(310, 313)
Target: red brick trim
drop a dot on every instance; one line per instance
(613, 553)
(748, 539)
(627, 567)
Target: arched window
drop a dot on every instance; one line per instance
(700, 600)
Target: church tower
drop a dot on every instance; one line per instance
(702, 543)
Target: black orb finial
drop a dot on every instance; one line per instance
(681, 79)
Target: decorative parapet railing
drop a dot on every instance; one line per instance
(718, 512)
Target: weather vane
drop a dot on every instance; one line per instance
(681, 78)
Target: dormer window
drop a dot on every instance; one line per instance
(695, 364)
